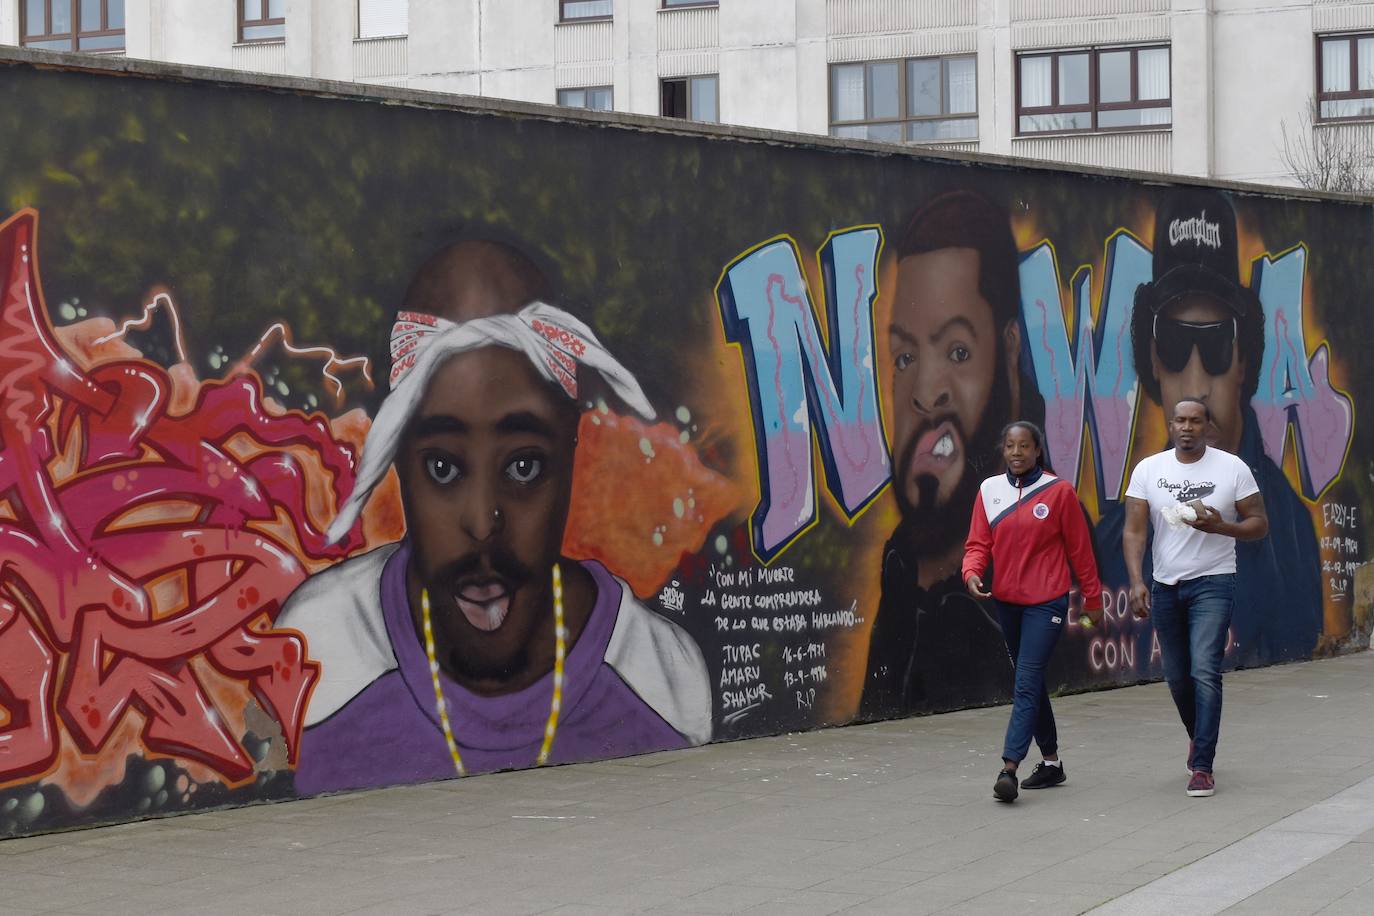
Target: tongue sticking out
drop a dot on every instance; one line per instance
(936, 449)
(484, 606)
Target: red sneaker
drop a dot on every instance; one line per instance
(1201, 785)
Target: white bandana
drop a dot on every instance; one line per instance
(555, 342)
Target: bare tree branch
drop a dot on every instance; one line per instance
(1328, 156)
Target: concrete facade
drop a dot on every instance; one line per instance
(1241, 69)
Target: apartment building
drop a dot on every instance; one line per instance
(1196, 87)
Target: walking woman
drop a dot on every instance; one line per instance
(1028, 526)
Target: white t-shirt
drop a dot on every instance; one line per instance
(1219, 479)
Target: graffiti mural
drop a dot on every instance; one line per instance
(481, 426)
(345, 445)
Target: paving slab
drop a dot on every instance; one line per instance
(892, 817)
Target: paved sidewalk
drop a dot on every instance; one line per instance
(890, 818)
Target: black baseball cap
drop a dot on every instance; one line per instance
(1196, 251)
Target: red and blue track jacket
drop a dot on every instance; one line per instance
(1034, 532)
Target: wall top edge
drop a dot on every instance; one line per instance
(70, 62)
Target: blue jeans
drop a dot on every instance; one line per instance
(1031, 632)
(1191, 620)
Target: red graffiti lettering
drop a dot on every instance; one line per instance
(89, 463)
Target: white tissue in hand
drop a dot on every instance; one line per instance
(1179, 516)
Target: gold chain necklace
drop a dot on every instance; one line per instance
(560, 634)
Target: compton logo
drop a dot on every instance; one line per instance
(1197, 230)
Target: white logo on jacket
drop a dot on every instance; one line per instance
(1041, 511)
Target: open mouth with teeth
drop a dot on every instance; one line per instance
(484, 604)
(936, 450)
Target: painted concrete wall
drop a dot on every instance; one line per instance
(350, 442)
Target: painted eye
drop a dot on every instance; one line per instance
(441, 470)
(903, 360)
(525, 470)
(960, 355)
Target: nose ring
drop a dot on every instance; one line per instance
(496, 515)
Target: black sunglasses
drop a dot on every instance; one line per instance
(1175, 340)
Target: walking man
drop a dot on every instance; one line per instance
(1200, 500)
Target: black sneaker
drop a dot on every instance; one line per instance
(1005, 786)
(1044, 776)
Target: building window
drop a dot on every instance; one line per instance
(696, 98)
(1093, 89)
(670, 4)
(72, 25)
(921, 100)
(597, 98)
(1345, 77)
(262, 20)
(577, 10)
(382, 18)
